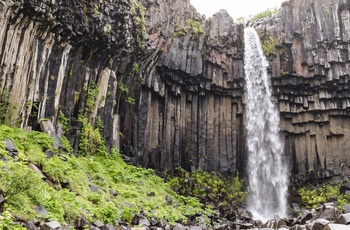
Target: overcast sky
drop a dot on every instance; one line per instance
(236, 8)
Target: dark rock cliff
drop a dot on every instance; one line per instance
(310, 76)
(171, 83)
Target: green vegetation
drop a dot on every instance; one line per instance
(326, 9)
(131, 101)
(98, 186)
(209, 186)
(253, 18)
(139, 16)
(269, 45)
(6, 222)
(264, 14)
(193, 25)
(90, 141)
(313, 198)
(92, 92)
(123, 88)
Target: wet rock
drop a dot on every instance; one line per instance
(270, 224)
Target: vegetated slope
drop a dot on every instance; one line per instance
(97, 187)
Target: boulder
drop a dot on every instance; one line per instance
(180, 227)
(2, 198)
(168, 199)
(303, 217)
(80, 222)
(343, 219)
(336, 227)
(346, 208)
(46, 126)
(37, 170)
(144, 222)
(98, 224)
(53, 225)
(328, 212)
(108, 227)
(40, 210)
(318, 224)
(10, 147)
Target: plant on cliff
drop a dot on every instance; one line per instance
(269, 44)
(193, 25)
(95, 187)
(264, 14)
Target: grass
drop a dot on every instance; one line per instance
(96, 187)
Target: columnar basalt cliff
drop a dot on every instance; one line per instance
(168, 84)
(310, 76)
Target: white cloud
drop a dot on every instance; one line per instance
(236, 8)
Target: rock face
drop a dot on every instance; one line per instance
(310, 76)
(168, 84)
(63, 58)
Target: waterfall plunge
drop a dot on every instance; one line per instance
(267, 168)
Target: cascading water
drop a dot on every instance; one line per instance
(267, 168)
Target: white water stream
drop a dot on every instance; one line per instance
(267, 167)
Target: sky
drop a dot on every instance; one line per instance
(236, 8)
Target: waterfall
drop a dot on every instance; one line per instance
(267, 168)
